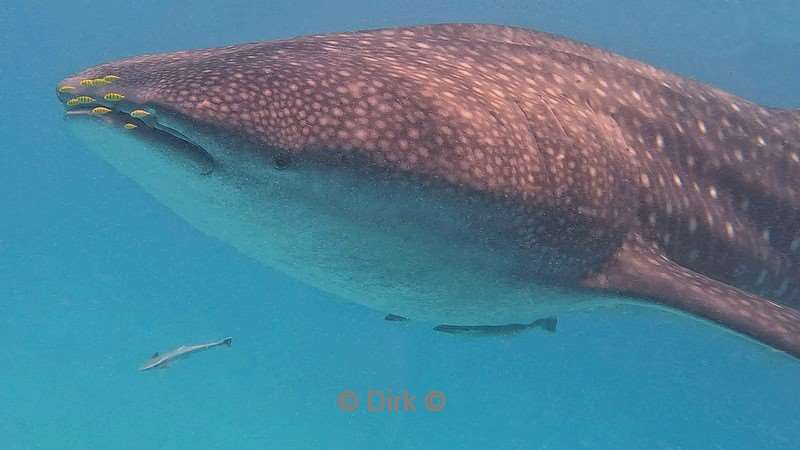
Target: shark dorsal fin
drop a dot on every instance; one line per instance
(155, 355)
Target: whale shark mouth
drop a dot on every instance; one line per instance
(145, 127)
(127, 121)
(108, 100)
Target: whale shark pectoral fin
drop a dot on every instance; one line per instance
(641, 269)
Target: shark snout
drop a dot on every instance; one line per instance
(104, 93)
(123, 99)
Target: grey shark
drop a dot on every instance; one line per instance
(163, 360)
(467, 174)
(547, 324)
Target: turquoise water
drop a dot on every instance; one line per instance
(95, 275)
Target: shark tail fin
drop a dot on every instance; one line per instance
(228, 341)
(548, 324)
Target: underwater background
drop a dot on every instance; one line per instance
(95, 275)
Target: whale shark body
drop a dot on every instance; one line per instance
(467, 174)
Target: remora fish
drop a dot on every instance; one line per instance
(548, 324)
(394, 318)
(467, 174)
(162, 360)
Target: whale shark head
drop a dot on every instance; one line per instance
(194, 122)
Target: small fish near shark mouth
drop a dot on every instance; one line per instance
(96, 99)
(468, 174)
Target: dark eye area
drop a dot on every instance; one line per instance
(282, 161)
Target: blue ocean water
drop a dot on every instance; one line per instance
(95, 275)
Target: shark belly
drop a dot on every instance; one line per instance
(391, 245)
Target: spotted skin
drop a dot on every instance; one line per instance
(632, 179)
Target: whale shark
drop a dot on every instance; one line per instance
(474, 175)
